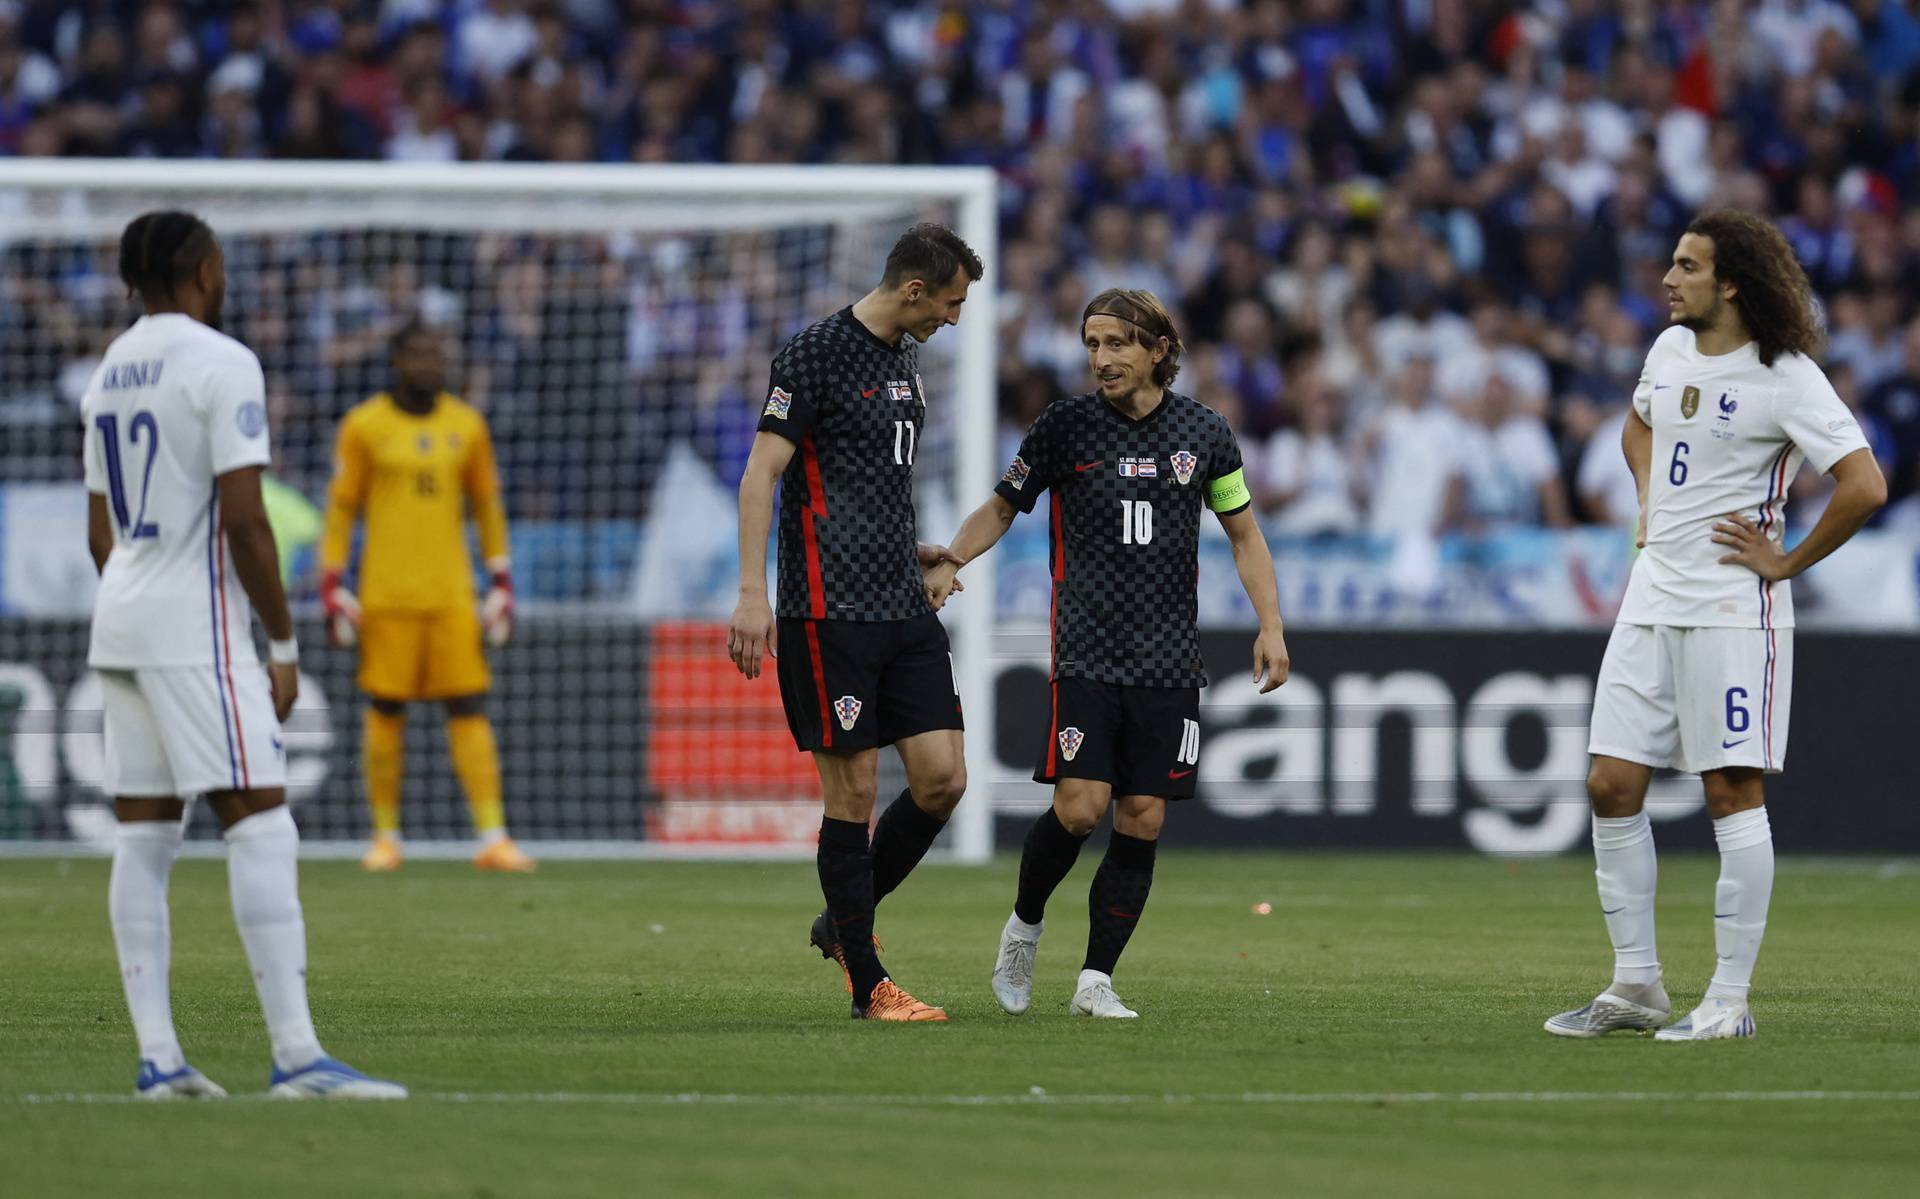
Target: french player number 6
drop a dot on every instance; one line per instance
(903, 443)
(1737, 718)
(1136, 522)
(1677, 472)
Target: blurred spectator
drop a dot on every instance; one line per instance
(1307, 481)
(1512, 473)
(1893, 404)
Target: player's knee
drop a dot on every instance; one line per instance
(1730, 791)
(1142, 821)
(941, 794)
(1612, 795)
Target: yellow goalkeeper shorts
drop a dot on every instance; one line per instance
(423, 655)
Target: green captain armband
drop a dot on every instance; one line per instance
(1228, 493)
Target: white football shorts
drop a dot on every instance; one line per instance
(188, 730)
(1694, 699)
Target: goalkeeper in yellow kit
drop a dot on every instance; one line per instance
(412, 463)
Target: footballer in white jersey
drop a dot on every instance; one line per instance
(176, 440)
(1698, 675)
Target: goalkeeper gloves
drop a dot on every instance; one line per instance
(343, 610)
(496, 611)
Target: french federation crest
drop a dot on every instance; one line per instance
(779, 403)
(847, 709)
(1183, 463)
(1016, 474)
(1689, 403)
(1070, 741)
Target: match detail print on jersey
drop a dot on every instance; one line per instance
(1127, 501)
(855, 409)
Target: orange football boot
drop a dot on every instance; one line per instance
(826, 939)
(384, 856)
(889, 1002)
(504, 857)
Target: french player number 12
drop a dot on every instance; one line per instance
(1136, 522)
(903, 443)
(136, 529)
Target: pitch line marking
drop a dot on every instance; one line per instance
(1044, 1099)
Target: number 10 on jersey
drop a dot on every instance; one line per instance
(1136, 522)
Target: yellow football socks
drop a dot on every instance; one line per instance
(384, 759)
(477, 763)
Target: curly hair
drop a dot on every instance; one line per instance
(1147, 318)
(1773, 296)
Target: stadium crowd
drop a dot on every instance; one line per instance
(1415, 245)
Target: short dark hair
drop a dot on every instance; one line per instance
(930, 253)
(161, 250)
(1774, 298)
(1146, 318)
(413, 327)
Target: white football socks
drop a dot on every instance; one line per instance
(1090, 978)
(263, 878)
(1627, 875)
(1740, 899)
(1023, 930)
(143, 854)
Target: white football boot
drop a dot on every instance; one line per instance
(184, 1083)
(1715, 1019)
(1095, 997)
(327, 1078)
(1013, 969)
(1635, 1006)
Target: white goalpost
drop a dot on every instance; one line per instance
(616, 324)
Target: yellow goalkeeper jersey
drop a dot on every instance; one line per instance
(412, 477)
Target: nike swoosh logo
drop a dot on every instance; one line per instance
(1661, 386)
(1725, 915)
(1178, 774)
(1084, 467)
(1731, 744)
(1611, 911)
(869, 393)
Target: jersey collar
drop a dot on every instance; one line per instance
(1167, 398)
(853, 322)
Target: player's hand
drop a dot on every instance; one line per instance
(1752, 549)
(750, 634)
(343, 610)
(1270, 661)
(931, 555)
(941, 582)
(284, 680)
(496, 611)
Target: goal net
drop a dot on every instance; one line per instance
(615, 324)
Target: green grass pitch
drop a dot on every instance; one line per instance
(1377, 1034)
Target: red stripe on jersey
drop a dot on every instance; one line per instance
(816, 510)
(1053, 733)
(820, 684)
(226, 641)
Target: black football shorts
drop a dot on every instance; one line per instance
(851, 685)
(1142, 740)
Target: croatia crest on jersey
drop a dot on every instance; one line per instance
(847, 709)
(1070, 741)
(779, 404)
(1016, 475)
(1183, 463)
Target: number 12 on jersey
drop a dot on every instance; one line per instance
(109, 424)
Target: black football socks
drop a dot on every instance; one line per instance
(846, 879)
(1049, 854)
(1118, 896)
(900, 840)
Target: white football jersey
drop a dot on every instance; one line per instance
(1728, 436)
(173, 406)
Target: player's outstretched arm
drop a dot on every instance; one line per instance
(257, 562)
(1254, 562)
(980, 532)
(1636, 442)
(1860, 489)
(750, 635)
